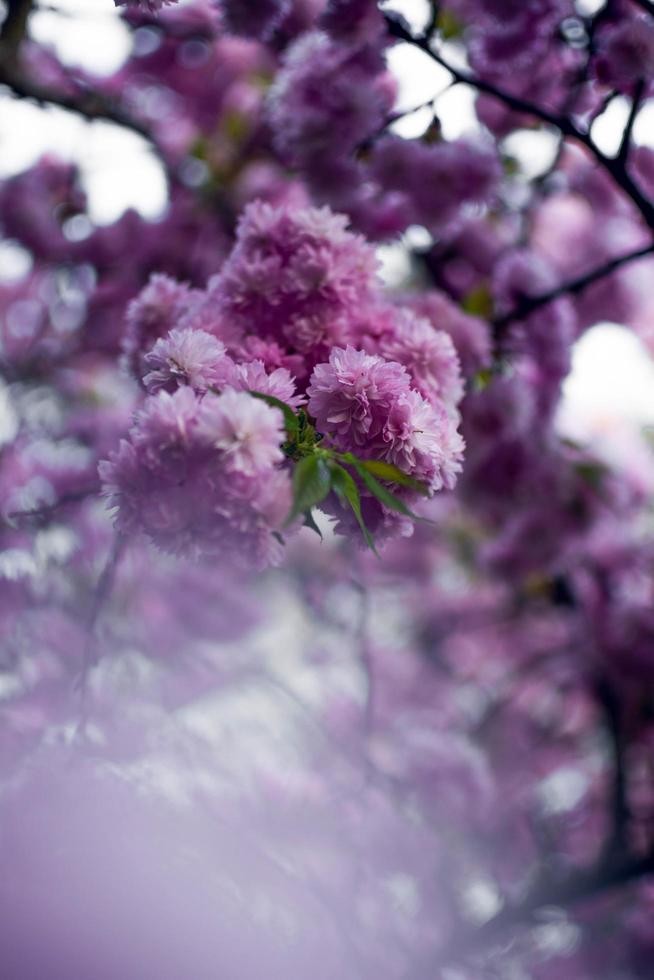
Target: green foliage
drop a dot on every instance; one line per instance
(311, 484)
(378, 490)
(318, 471)
(386, 471)
(479, 302)
(348, 492)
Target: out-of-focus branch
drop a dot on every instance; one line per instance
(579, 887)
(572, 286)
(91, 105)
(99, 598)
(87, 103)
(619, 806)
(14, 26)
(45, 512)
(645, 5)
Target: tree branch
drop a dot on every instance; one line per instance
(14, 26)
(88, 104)
(625, 142)
(646, 5)
(578, 887)
(563, 123)
(46, 511)
(573, 286)
(397, 29)
(620, 815)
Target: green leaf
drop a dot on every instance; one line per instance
(479, 302)
(347, 490)
(290, 418)
(390, 473)
(380, 492)
(449, 25)
(482, 379)
(311, 484)
(592, 472)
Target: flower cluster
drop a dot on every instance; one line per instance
(296, 286)
(202, 476)
(478, 704)
(295, 277)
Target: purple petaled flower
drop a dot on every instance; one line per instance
(253, 376)
(436, 179)
(155, 311)
(294, 276)
(626, 53)
(428, 355)
(351, 396)
(201, 476)
(246, 431)
(189, 357)
(353, 20)
(422, 440)
(470, 335)
(327, 99)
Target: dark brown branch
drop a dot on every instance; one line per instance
(573, 286)
(611, 709)
(90, 105)
(563, 123)
(99, 598)
(46, 511)
(14, 26)
(549, 893)
(398, 30)
(625, 142)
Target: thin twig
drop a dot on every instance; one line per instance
(611, 708)
(86, 103)
(563, 123)
(559, 893)
(14, 26)
(101, 594)
(47, 510)
(572, 286)
(625, 142)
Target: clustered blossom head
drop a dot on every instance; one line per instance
(365, 404)
(435, 180)
(429, 356)
(295, 277)
(201, 476)
(469, 334)
(151, 315)
(329, 108)
(327, 98)
(296, 312)
(188, 357)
